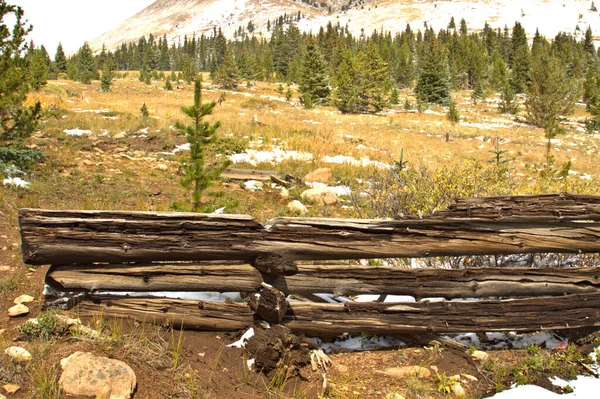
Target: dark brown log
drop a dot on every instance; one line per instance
(93, 236)
(546, 313)
(269, 303)
(61, 237)
(334, 279)
(207, 316)
(275, 265)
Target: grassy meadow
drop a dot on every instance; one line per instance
(123, 161)
(399, 162)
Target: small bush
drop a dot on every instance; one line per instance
(47, 326)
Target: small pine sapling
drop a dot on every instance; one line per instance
(395, 96)
(144, 112)
(289, 95)
(168, 85)
(199, 135)
(452, 115)
(107, 77)
(407, 104)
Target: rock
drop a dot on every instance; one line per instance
(2, 396)
(85, 374)
(2, 267)
(11, 388)
(87, 162)
(297, 207)
(321, 175)
(406, 371)
(458, 390)
(161, 166)
(470, 377)
(284, 193)
(253, 185)
(23, 299)
(321, 196)
(394, 395)
(480, 355)
(119, 136)
(18, 354)
(18, 310)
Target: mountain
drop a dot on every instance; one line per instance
(177, 18)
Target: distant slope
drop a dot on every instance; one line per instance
(176, 18)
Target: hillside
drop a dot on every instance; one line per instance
(176, 18)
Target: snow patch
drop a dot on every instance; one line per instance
(241, 343)
(15, 181)
(77, 132)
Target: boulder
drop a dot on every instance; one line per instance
(297, 207)
(321, 196)
(321, 175)
(18, 354)
(284, 193)
(23, 299)
(85, 374)
(18, 310)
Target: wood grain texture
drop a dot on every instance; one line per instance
(58, 237)
(571, 311)
(206, 316)
(340, 279)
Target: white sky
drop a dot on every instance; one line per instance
(73, 22)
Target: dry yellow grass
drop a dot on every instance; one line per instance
(122, 164)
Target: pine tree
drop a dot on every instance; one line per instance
(433, 84)
(227, 76)
(17, 121)
(551, 92)
(108, 75)
(499, 71)
(373, 80)
(395, 96)
(39, 70)
(168, 85)
(145, 113)
(346, 91)
(190, 71)
(85, 67)
(314, 82)
(452, 115)
(199, 134)
(508, 102)
(60, 59)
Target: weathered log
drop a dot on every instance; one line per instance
(564, 206)
(205, 276)
(250, 174)
(546, 313)
(207, 316)
(269, 303)
(93, 236)
(335, 279)
(275, 265)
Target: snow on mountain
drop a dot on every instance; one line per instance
(176, 18)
